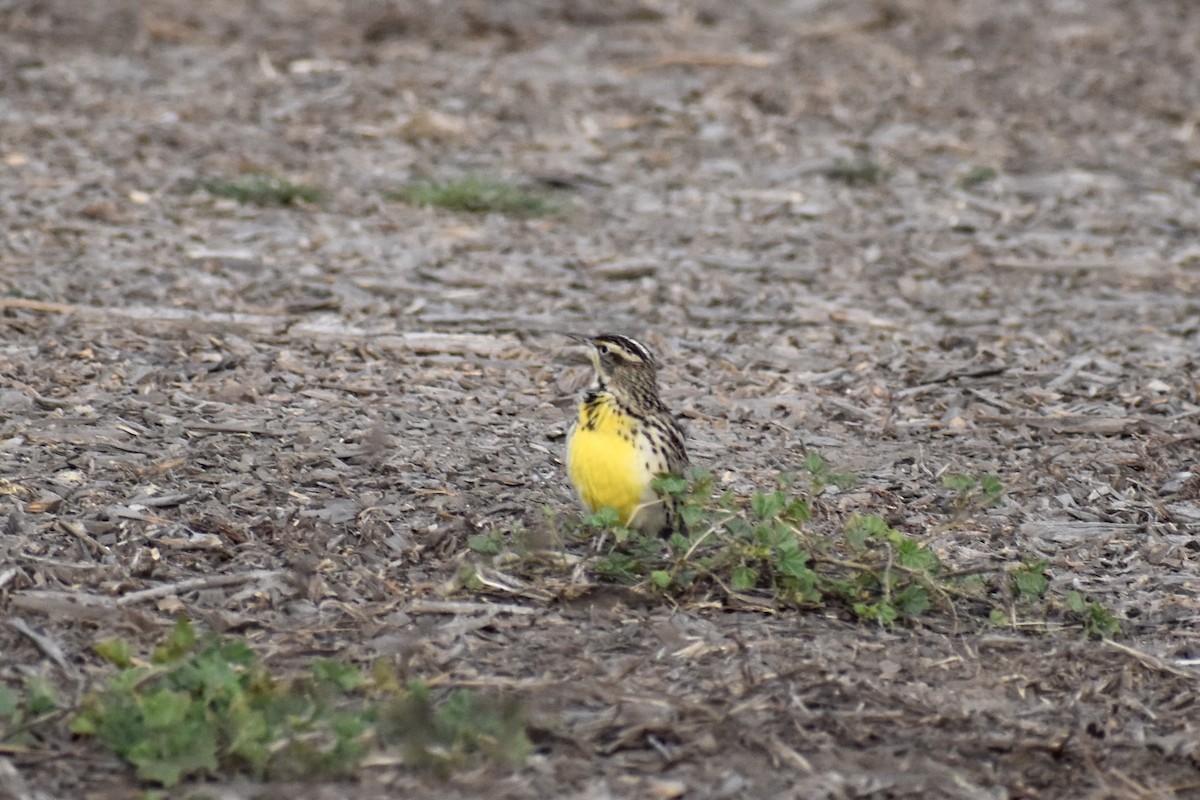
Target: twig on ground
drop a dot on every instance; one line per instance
(1154, 662)
(44, 643)
(207, 582)
(421, 606)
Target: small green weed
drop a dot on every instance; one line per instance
(1098, 622)
(22, 711)
(777, 548)
(757, 550)
(478, 196)
(262, 190)
(442, 737)
(903, 584)
(488, 544)
(973, 494)
(1029, 580)
(855, 172)
(1023, 590)
(206, 705)
(977, 175)
(821, 475)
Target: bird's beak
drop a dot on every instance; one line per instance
(592, 356)
(579, 337)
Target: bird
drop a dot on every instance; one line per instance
(623, 437)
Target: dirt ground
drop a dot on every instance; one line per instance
(305, 411)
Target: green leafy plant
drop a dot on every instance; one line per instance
(262, 190)
(973, 494)
(206, 705)
(1029, 580)
(490, 543)
(821, 475)
(783, 548)
(477, 195)
(903, 584)
(758, 550)
(627, 561)
(444, 736)
(1098, 622)
(23, 711)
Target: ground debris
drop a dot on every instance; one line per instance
(870, 230)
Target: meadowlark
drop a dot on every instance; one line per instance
(623, 437)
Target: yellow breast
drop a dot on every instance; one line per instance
(606, 464)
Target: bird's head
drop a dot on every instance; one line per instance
(620, 360)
